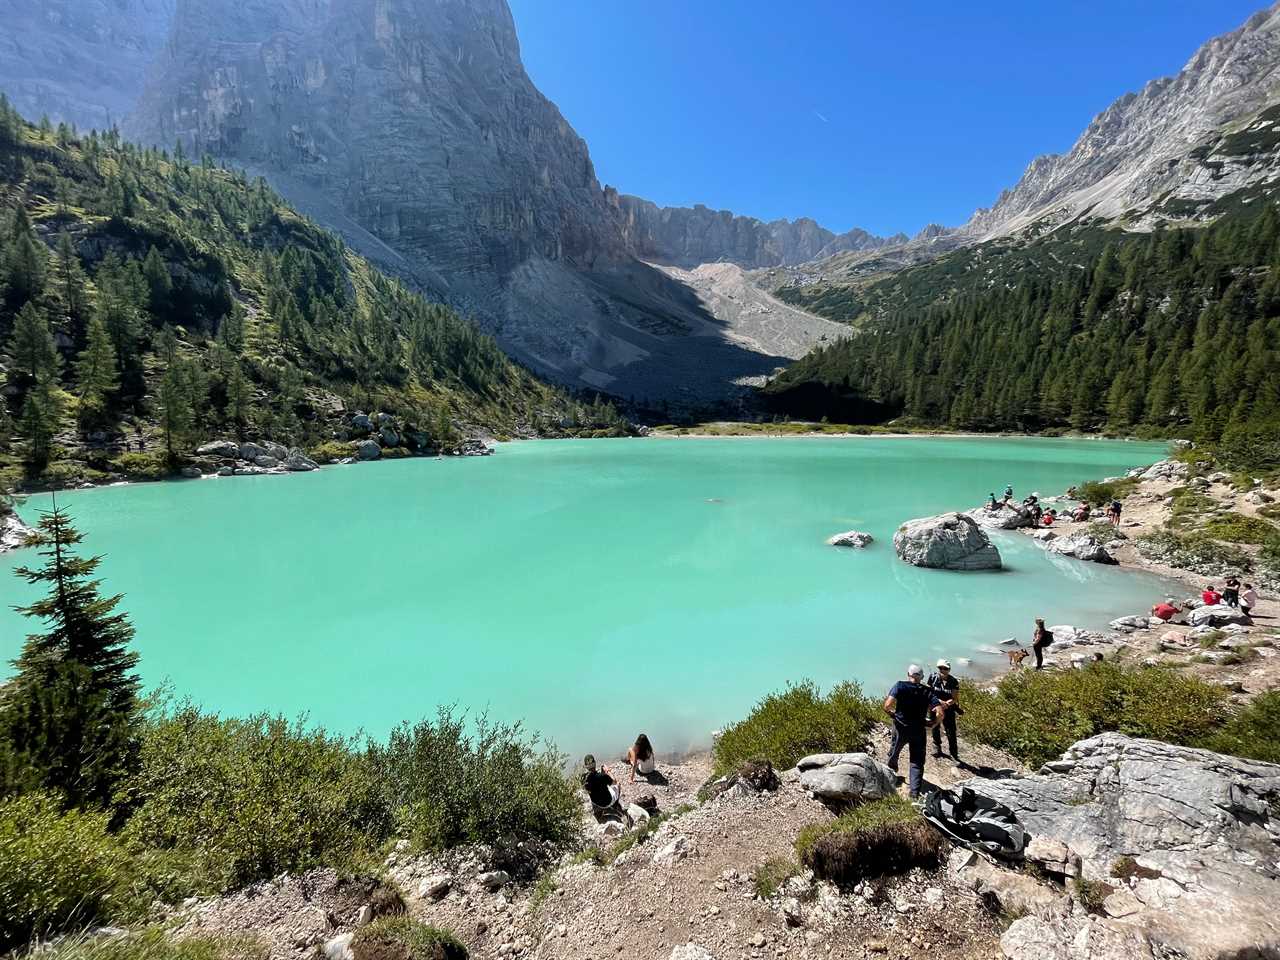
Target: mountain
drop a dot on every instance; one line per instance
(689, 236)
(79, 61)
(147, 298)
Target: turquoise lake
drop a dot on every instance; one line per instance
(593, 589)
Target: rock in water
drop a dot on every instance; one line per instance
(949, 541)
(13, 532)
(1005, 516)
(845, 778)
(368, 450)
(1082, 546)
(299, 462)
(850, 538)
(1204, 826)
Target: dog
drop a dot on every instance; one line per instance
(1016, 657)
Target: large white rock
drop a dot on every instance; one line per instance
(1074, 938)
(846, 777)
(1082, 546)
(13, 532)
(850, 538)
(1216, 616)
(949, 541)
(226, 449)
(1005, 516)
(252, 451)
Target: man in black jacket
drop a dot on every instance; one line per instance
(914, 709)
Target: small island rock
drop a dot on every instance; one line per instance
(949, 541)
(1082, 546)
(850, 538)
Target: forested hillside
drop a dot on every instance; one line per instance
(150, 301)
(1175, 331)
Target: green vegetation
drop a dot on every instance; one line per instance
(58, 869)
(1188, 506)
(403, 938)
(784, 727)
(772, 874)
(870, 840)
(1237, 528)
(1035, 715)
(1253, 732)
(492, 784)
(1091, 893)
(1100, 493)
(1177, 330)
(1194, 551)
(1125, 868)
(153, 943)
(146, 297)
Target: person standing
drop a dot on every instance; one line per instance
(1114, 513)
(1231, 592)
(1248, 599)
(947, 689)
(1039, 640)
(914, 709)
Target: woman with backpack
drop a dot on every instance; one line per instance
(1039, 640)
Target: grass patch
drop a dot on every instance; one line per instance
(772, 874)
(1194, 551)
(1253, 732)
(1100, 493)
(542, 890)
(403, 938)
(1036, 715)
(331, 451)
(1187, 506)
(786, 726)
(154, 943)
(1091, 893)
(872, 840)
(1237, 528)
(1125, 868)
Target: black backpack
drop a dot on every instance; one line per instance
(976, 822)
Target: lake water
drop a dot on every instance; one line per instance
(593, 589)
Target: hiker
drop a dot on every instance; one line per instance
(1008, 493)
(604, 792)
(1113, 513)
(1081, 514)
(1039, 640)
(1211, 597)
(992, 503)
(915, 709)
(1248, 600)
(1049, 517)
(1231, 593)
(946, 688)
(1165, 610)
(640, 757)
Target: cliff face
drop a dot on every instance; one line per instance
(688, 236)
(79, 61)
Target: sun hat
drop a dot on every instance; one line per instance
(945, 663)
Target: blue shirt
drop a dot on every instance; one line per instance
(913, 701)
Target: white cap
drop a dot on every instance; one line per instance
(915, 670)
(945, 663)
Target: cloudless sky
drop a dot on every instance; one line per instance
(885, 115)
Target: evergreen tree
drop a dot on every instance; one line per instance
(97, 376)
(25, 262)
(41, 414)
(239, 400)
(177, 418)
(31, 346)
(70, 282)
(159, 284)
(70, 715)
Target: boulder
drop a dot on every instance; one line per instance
(1006, 516)
(845, 778)
(1204, 826)
(389, 437)
(13, 532)
(474, 447)
(368, 450)
(1065, 635)
(1216, 616)
(299, 462)
(850, 538)
(1166, 470)
(360, 423)
(277, 450)
(638, 814)
(192, 473)
(1052, 856)
(950, 541)
(226, 471)
(266, 462)
(1258, 497)
(384, 420)
(1130, 624)
(673, 852)
(1075, 938)
(1082, 546)
(339, 948)
(225, 449)
(494, 879)
(435, 886)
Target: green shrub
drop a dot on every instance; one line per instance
(1194, 551)
(494, 784)
(232, 801)
(1036, 715)
(70, 473)
(772, 874)
(872, 840)
(1091, 893)
(784, 727)
(403, 938)
(58, 870)
(1253, 732)
(1271, 511)
(141, 466)
(331, 451)
(154, 943)
(1099, 493)
(1237, 528)
(1187, 505)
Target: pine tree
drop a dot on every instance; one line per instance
(159, 284)
(70, 281)
(97, 376)
(32, 347)
(177, 419)
(239, 400)
(71, 713)
(25, 262)
(41, 414)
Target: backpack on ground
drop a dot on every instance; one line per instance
(976, 822)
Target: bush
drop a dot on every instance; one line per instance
(233, 801)
(1091, 893)
(495, 785)
(1254, 732)
(875, 839)
(1099, 493)
(784, 727)
(1194, 551)
(1186, 505)
(141, 466)
(772, 874)
(1237, 528)
(403, 938)
(1036, 715)
(331, 451)
(58, 870)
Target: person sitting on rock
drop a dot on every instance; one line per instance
(603, 791)
(640, 757)
(1165, 610)
(1048, 518)
(915, 709)
(1008, 493)
(1211, 597)
(1081, 514)
(992, 502)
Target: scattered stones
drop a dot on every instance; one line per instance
(949, 541)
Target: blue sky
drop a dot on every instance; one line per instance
(874, 114)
